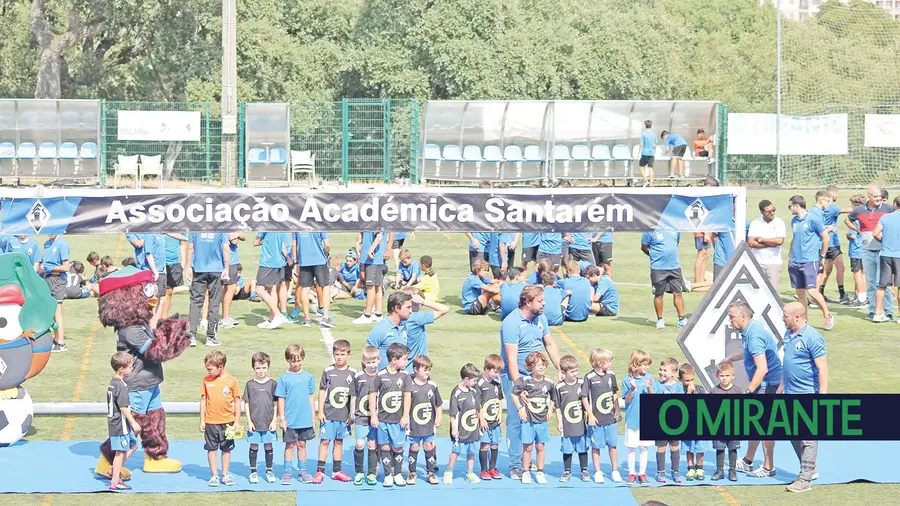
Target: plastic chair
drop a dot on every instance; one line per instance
(431, 160)
(493, 156)
(68, 151)
(27, 151)
(303, 162)
(561, 154)
(582, 154)
(431, 152)
(277, 156)
(257, 156)
(7, 152)
(88, 151)
(127, 166)
(472, 159)
(453, 155)
(600, 153)
(151, 166)
(622, 153)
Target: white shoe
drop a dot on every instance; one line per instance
(660, 323)
(526, 477)
(204, 323)
(399, 480)
(278, 321)
(687, 285)
(598, 477)
(616, 477)
(829, 323)
(388, 481)
(362, 320)
(448, 477)
(880, 318)
(263, 324)
(540, 478)
(376, 318)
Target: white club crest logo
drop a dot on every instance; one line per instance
(572, 412)
(364, 405)
(339, 396)
(469, 421)
(696, 213)
(604, 403)
(491, 410)
(391, 402)
(422, 413)
(537, 405)
(38, 216)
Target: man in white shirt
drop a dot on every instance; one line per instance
(765, 237)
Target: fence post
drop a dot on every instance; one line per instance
(387, 170)
(208, 170)
(723, 144)
(103, 142)
(240, 143)
(828, 111)
(345, 141)
(414, 141)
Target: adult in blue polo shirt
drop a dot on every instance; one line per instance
(155, 249)
(496, 253)
(274, 250)
(391, 329)
(478, 243)
(676, 145)
(140, 254)
(888, 232)
(764, 370)
(371, 246)
(210, 254)
(416, 337)
(26, 246)
(510, 291)
(724, 249)
(523, 331)
(805, 372)
(55, 262)
(311, 250)
(509, 239)
(579, 288)
(661, 245)
(530, 243)
(808, 247)
(550, 248)
(602, 247)
(580, 246)
(648, 152)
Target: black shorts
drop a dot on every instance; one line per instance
(646, 161)
(161, 282)
(667, 442)
(374, 274)
(398, 243)
(678, 151)
(57, 286)
(666, 281)
(703, 153)
(734, 444)
(581, 255)
(232, 275)
(856, 264)
(311, 275)
(555, 258)
(288, 274)
(890, 272)
(833, 253)
(476, 308)
(603, 253)
(293, 435)
(510, 257)
(174, 275)
(269, 276)
(477, 255)
(242, 294)
(529, 254)
(214, 437)
(605, 310)
(495, 270)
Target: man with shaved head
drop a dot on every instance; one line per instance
(805, 372)
(868, 215)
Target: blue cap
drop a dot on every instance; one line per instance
(351, 254)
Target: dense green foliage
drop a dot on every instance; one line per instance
(295, 50)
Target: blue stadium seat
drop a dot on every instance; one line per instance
(472, 153)
(471, 163)
(277, 156)
(493, 159)
(600, 153)
(47, 151)
(257, 156)
(432, 152)
(533, 166)
(561, 156)
(453, 155)
(533, 153)
(581, 153)
(26, 151)
(68, 151)
(88, 151)
(431, 160)
(7, 151)
(513, 154)
(622, 153)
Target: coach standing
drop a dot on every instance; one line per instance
(523, 331)
(765, 235)
(868, 215)
(805, 372)
(888, 232)
(764, 369)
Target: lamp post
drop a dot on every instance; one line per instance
(229, 91)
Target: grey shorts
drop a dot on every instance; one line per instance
(585, 255)
(666, 281)
(269, 276)
(603, 252)
(294, 435)
(57, 286)
(856, 264)
(605, 310)
(214, 438)
(312, 275)
(232, 275)
(477, 255)
(730, 445)
(717, 269)
(161, 283)
(374, 274)
(555, 258)
(529, 254)
(890, 272)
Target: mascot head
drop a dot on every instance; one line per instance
(127, 298)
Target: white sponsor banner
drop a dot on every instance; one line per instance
(159, 126)
(754, 134)
(883, 130)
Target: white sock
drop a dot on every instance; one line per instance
(631, 461)
(862, 297)
(643, 460)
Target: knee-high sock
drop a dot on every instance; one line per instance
(676, 459)
(720, 460)
(583, 460)
(387, 462)
(483, 458)
(413, 457)
(253, 455)
(631, 460)
(732, 459)
(358, 459)
(398, 461)
(660, 462)
(431, 460)
(643, 460)
(373, 461)
(270, 457)
(495, 452)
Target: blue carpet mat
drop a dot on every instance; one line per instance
(67, 467)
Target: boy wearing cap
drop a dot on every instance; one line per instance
(348, 277)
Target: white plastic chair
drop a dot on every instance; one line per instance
(151, 166)
(127, 166)
(303, 162)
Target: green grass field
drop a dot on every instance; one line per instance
(857, 362)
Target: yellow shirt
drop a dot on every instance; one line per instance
(430, 286)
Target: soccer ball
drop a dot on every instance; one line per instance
(16, 415)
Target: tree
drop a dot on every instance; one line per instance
(53, 46)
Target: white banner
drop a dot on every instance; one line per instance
(883, 130)
(159, 126)
(754, 134)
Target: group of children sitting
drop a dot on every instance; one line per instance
(387, 410)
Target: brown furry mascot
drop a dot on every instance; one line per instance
(127, 299)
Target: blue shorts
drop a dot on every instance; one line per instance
(695, 446)
(334, 430)
(144, 401)
(122, 443)
(418, 440)
(601, 436)
(365, 432)
(465, 448)
(391, 434)
(803, 275)
(700, 245)
(535, 433)
(570, 445)
(259, 437)
(492, 436)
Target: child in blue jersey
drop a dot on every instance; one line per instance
(668, 384)
(648, 152)
(409, 271)
(349, 283)
(479, 292)
(693, 449)
(579, 289)
(676, 146)
(605, 295)
(230, 284)
(637, 382)
(55, 263)
(510, 291)
(555, 299)
(296, 395)
(854, 251)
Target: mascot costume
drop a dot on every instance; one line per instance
(127, 300)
